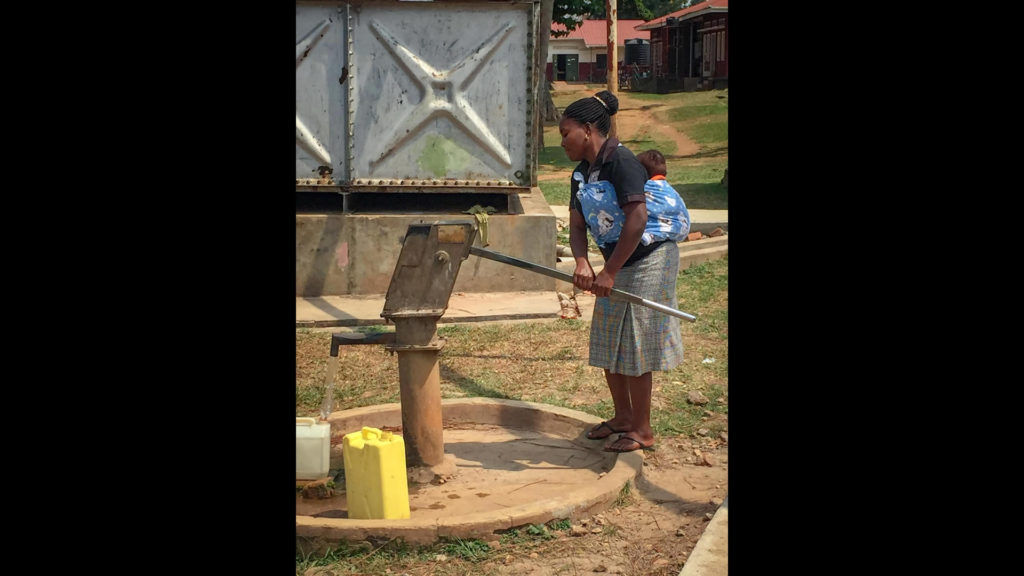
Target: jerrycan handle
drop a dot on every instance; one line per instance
(376, 434)
(305, 421)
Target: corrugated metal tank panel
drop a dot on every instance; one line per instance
(321, 41)
(433, 92)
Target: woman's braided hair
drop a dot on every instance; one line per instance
(597, 110)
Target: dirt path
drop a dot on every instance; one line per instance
(635, 120)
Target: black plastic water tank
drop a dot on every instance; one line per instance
(638, 51)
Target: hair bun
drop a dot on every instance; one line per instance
(610, 101)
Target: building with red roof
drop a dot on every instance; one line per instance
(582, 56)
(689, 49)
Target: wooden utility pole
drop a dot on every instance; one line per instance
(612, 12)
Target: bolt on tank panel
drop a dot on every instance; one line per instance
(321, 91)
(440, 91)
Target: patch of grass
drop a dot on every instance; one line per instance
(701, 290)
(697, 111)
(552, 400)
(394, 555)
(625, 497)
(449, 330)
(539, 531)
(471, 550)
(308, 399)
(714, 323)
(698, 98)
(307, 560)
(513, 360)
(374, 329)
(710, 133)
(498, 334)
(366, 375)
(562, 525)
(552, 157)
(683, 171)
(564, 353)
(556, 192)
(488, 384)
(603, 408)
(343, 553)
(685, 418)
(532, 533)
(510, 536)
(639, 144)
(701, 284)
(699, 182)
(709, 196)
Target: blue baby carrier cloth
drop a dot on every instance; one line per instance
(667, 216)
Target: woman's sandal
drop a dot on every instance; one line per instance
(639, 446)
(603, 425)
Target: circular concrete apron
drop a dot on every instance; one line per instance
(516, 462)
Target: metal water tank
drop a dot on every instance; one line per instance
(416, 96)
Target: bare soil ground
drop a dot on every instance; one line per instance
(654, 533)
(651, 531)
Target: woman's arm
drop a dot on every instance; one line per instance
(583, 277)
(632, 230)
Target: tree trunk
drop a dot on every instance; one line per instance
(611, 12)
(544, 105)
(549, 112)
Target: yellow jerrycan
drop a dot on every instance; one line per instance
(376, 485)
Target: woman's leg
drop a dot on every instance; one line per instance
(618, 385)
(639, 389)
(623, 419)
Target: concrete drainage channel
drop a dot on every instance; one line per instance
(516, 463)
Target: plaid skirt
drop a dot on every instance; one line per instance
(631, 339)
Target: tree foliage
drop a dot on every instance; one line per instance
(572, 12)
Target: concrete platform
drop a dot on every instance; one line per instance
(710, 557)
(517, 463)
